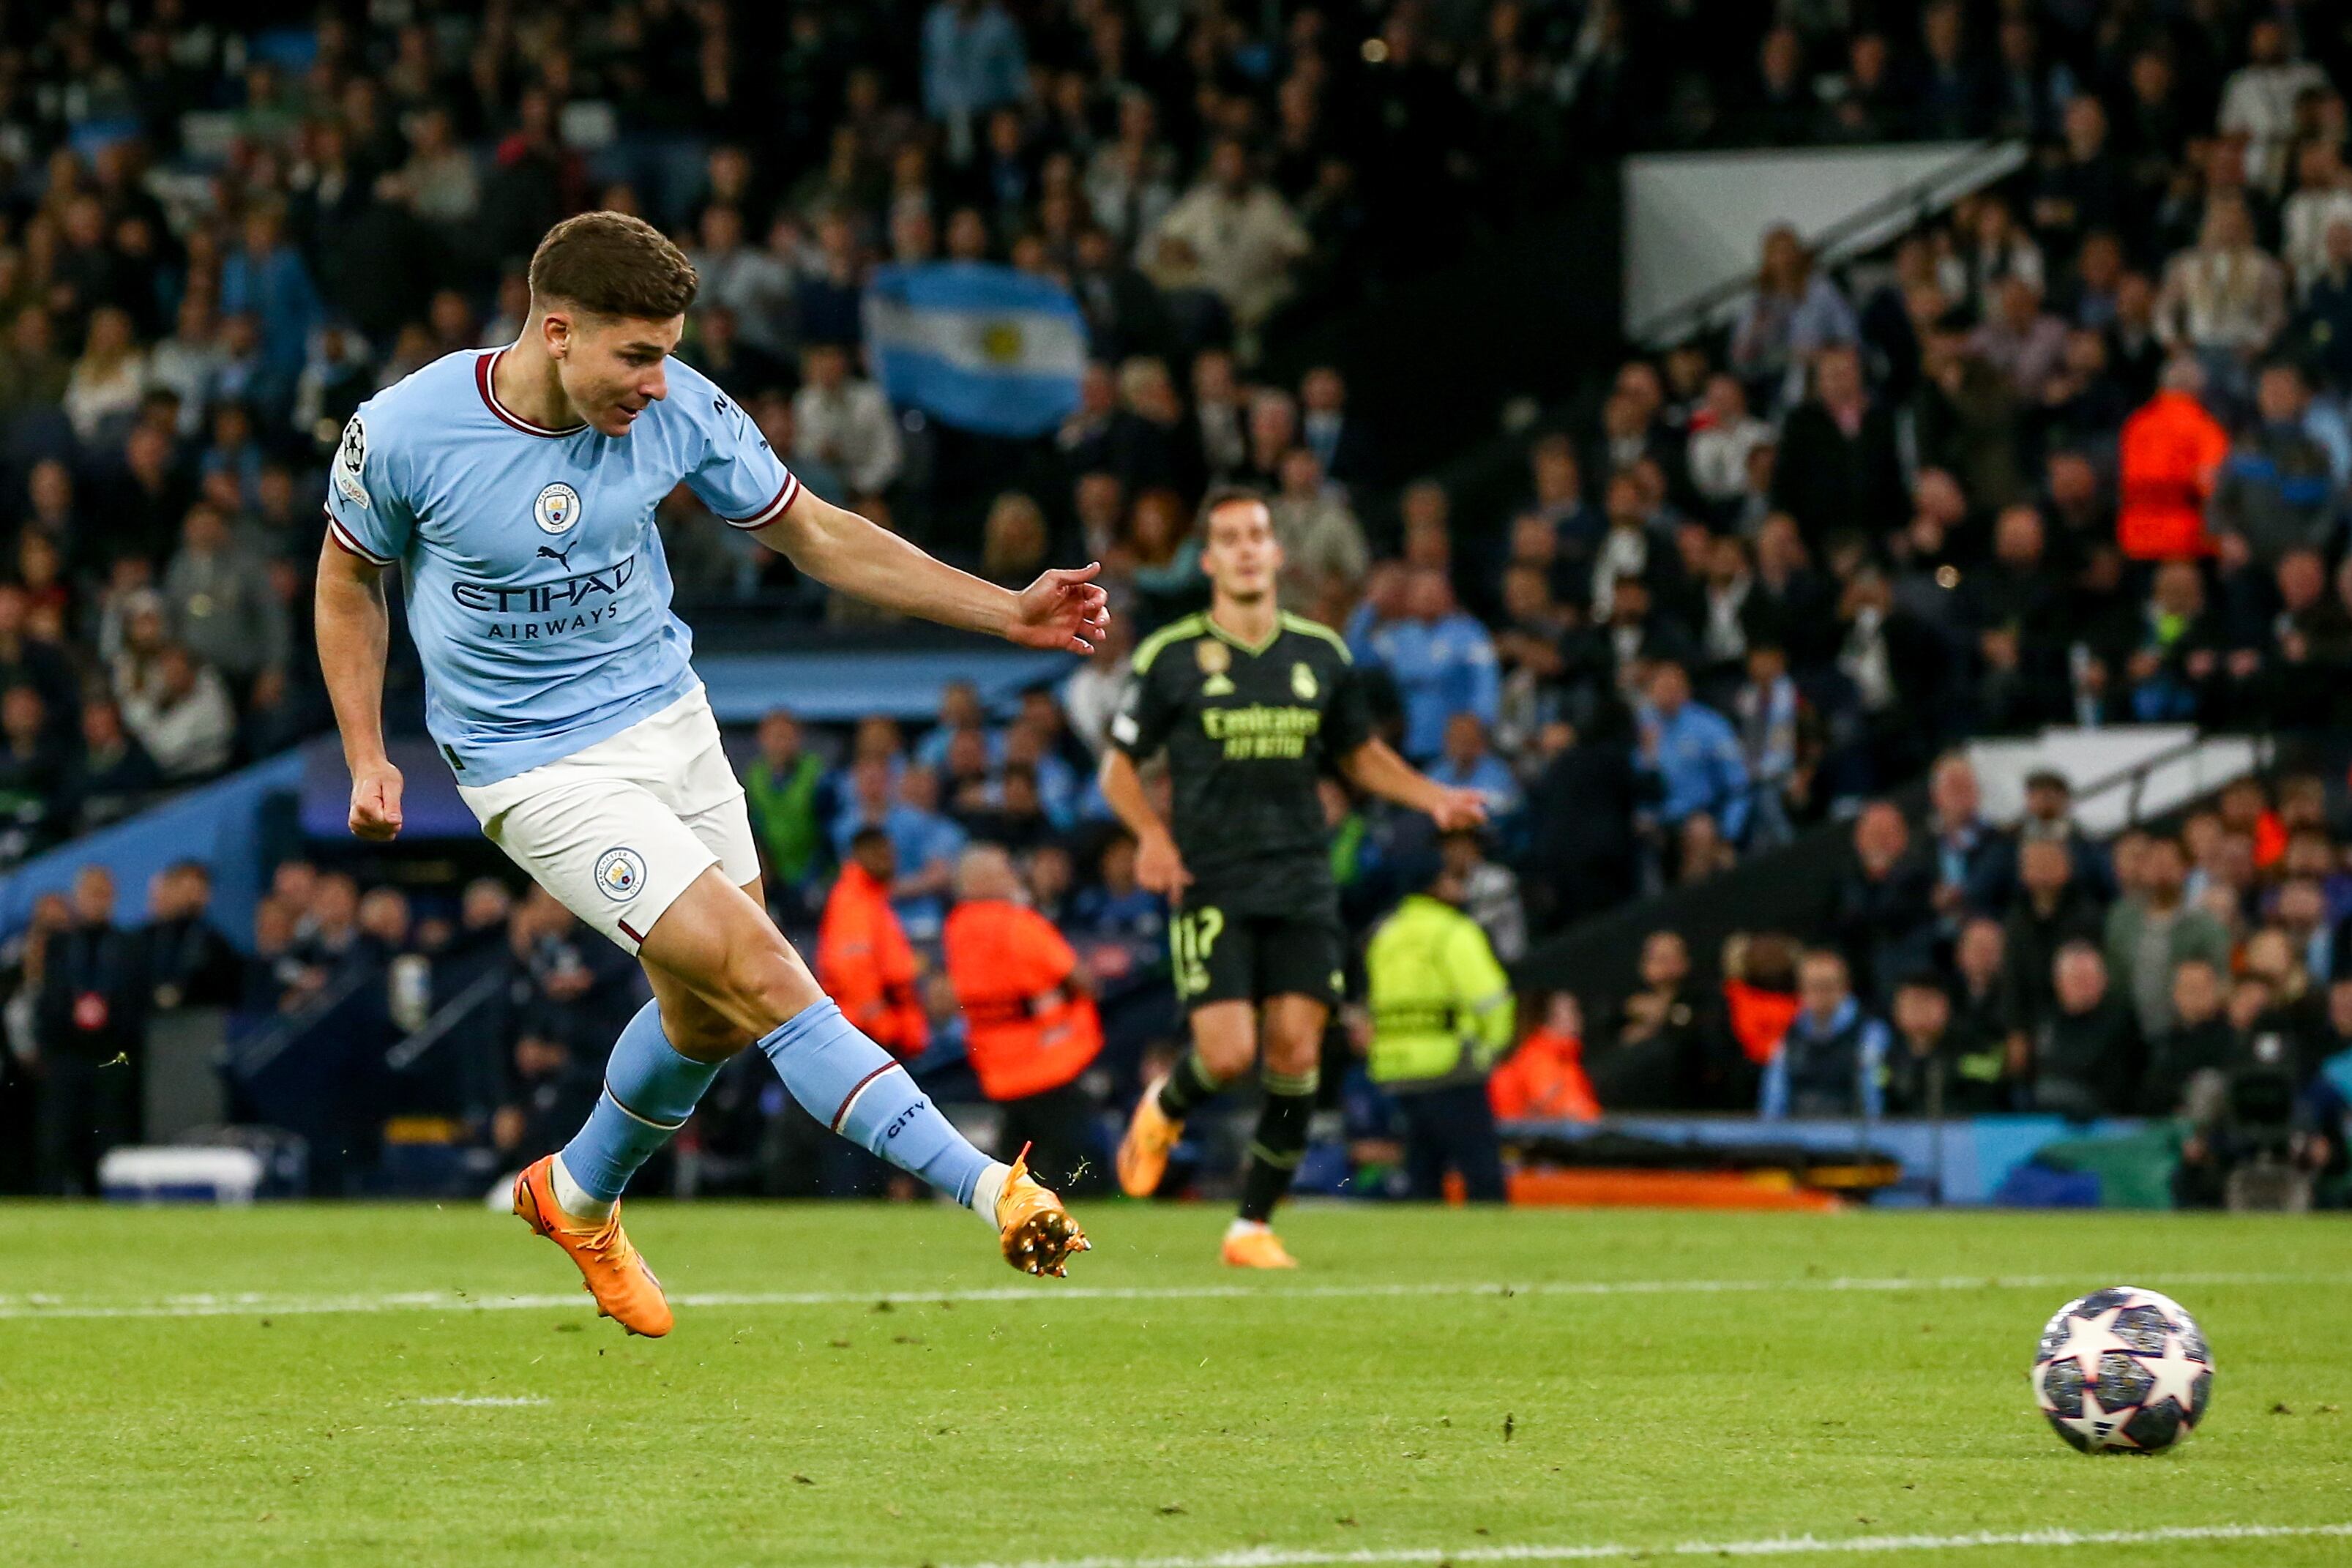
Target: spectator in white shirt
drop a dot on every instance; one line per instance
(1722, 434)
(1242, 233)
(845, 422)
(110, 377)
(2258, 101)
(2225, 299)
(2322, 199)
(182, 714)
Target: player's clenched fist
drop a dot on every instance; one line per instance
(375, 802)
(1158, 869)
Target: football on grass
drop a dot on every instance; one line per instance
(2123, 1370)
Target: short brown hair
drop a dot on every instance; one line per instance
(612, 264)
(1225, 495)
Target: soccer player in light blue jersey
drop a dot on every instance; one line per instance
(514, 488)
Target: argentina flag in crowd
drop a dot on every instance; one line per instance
(982, 348)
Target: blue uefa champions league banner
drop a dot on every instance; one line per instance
(978, 347)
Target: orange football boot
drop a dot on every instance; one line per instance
(1151, 1133)
(1257, 1248)
(610, 1268)
(1038, 1232)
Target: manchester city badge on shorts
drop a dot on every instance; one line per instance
(620, 873)
(557, 508)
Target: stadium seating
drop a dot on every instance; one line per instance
(1696, 614)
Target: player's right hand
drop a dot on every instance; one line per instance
(375, 802)
(1158, 869)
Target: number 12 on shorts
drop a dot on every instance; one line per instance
(1191, 939)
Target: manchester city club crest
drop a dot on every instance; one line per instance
(557, 508)
(619, 874)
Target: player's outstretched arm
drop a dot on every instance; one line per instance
(1062, 609)
(1158, 869)
(1375, 768)
(354, 629)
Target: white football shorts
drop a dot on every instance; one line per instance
(616, 831)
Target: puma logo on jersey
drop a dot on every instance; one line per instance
(560, 557)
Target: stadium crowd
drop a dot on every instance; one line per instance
(2075, 452)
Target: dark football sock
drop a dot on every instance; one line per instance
(1189, 1086)
(1281, 1142)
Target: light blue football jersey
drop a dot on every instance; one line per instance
(536, 589)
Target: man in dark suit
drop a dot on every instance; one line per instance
(1339, 438)
(89, 1029)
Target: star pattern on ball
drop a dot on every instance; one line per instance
(2176, 1371)
(2122, 1369)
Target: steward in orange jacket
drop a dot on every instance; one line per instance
(863, 959)
(1544, 1079)
(1029, 1023)
(2166, 459)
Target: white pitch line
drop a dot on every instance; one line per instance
(1772, 1546)
(214, 1306)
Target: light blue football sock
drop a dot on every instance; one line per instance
(649, 1091)
(858, 1089)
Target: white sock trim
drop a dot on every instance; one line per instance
(1247, 1228)
(989, 1190)
(572, 1198)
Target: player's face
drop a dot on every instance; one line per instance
(612, 368)
(1240, 556)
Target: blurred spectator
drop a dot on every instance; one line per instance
(222, 606)
(1237, 235)
(843, 423)
(1882, 914)
(550, 1100)
(862, 958)
(184, 958)
(1650, 1055)
(787, 792)
(2052, 910)
(1794, 313)
(1031, 1028)
(2198, 1039)
(182, 714)
(1691, 754)
(2275, 489)
(112, 776)
(1832, 1061)
(1441, 661)
(88, 1035)
(2152, 930)
(1543, 1079)
(2085, 1055)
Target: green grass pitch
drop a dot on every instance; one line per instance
(871, 1387)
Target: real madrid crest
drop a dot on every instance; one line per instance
(557, 509)
(1215, 660)
(1302, 682)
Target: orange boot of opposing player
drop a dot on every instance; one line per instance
(610, 1268)
(1251, 1244)
(1152, 1135)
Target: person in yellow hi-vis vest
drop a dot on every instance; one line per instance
(1442, 1016)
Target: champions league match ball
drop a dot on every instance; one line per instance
(2123, 1370)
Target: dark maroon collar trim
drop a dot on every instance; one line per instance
(485, 368)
